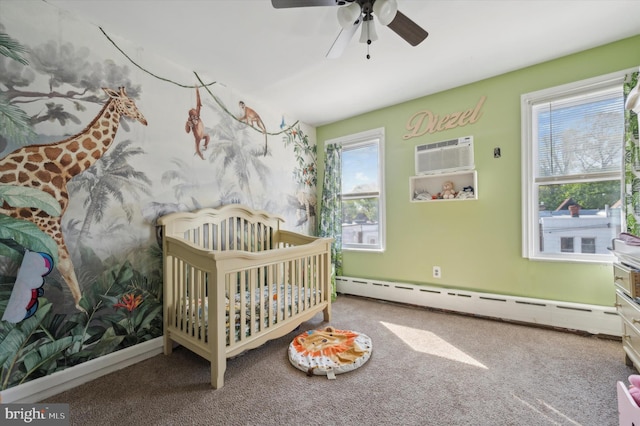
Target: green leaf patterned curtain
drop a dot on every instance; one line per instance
(331, 209)
(632, 154)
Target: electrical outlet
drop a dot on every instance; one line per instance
(437, 272)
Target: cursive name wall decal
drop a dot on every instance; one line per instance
(423, 122)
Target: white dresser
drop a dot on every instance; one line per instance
(627, 284)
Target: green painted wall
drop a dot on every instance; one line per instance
(477, 243)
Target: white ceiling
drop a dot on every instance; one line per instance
(277, 56)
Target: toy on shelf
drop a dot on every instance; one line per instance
(467, 192)
(448, 191)
(422, 196)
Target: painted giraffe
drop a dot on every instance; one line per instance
(50, 167)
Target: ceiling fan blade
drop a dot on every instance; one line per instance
(283, 4)
(343, 39)
(407, 29)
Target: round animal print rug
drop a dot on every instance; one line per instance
(329, 351)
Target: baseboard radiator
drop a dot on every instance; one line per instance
(593, 319)
(60, 381)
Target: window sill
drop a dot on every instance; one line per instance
(596, 259)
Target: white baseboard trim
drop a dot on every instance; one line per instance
(594, 319)
(60, 381)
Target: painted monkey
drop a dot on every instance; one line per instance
(195, 125)
(252, 118)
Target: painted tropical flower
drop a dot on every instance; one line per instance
(129, 302)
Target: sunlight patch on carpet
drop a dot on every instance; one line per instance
(429, 343)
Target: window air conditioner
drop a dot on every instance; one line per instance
(445, 156)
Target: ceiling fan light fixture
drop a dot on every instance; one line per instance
(368, 34)
(385, 10)
(347, 15)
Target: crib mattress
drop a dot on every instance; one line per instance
(292, 294)
(329, 351)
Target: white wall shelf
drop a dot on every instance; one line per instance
(423, 188)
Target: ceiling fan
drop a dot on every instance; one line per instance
(354, 13)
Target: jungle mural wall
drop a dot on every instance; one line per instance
(99, 138)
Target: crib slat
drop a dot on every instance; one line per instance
(304, 285)
(202, 297)
(242, 291)
(261, 285)
(208, 242)
(215, 237)
(311, 286)
(182, 293)
(272, 281)
(295, 283)
(241, 237)
(193, 299)
(295, 287)
(246, 243)
(285, 294)
(251, 237)
(304, 296)
(317, 279)
(259, 237)
(177, 274)
(200, 236)
(224, 245)
(256, 289)
(191, 302)
(242, 234)
(282, 283)
(243, 305)
(230, 286)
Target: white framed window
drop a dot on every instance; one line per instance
(363, 203)
(572, 169)
(588, 245)
(566, 244)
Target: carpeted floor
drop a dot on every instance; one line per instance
(427, 368)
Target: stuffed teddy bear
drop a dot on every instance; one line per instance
(447, 190)
(634, 388)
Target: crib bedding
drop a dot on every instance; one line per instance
(293, 296)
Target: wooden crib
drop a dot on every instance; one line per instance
(234, 280)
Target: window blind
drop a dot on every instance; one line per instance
(580, 135)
